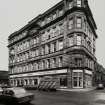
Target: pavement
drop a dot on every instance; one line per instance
(78, 90)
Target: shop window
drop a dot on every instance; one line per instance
(77, 79)
(63, 81)
(35, 81)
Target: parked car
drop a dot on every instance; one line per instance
(15, 95)
(100, 86)
(1, 90)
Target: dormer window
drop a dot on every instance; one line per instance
(70, 5)
(54, 15)
(48, 19)
(79, 3)
(60, 12)
(43, 23)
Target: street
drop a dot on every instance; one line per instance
(95, 97)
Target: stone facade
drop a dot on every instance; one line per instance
(58, 43)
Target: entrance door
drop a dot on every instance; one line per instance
(77, 80)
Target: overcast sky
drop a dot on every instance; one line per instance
(14, 14)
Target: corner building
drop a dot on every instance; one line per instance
(58, 44)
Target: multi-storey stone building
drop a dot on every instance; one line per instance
(60, 43)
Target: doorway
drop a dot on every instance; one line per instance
(77, 79)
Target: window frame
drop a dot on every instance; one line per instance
(79, 22)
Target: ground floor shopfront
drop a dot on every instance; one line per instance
(64, 78)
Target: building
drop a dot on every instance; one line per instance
(4, 78)
(58, 44)
(99, 74)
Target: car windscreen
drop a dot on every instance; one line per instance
(19, 90)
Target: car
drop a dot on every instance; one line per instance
(15, 95)
(1, 90)
(100, 86)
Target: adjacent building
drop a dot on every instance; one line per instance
(58, 44)
(4, 77)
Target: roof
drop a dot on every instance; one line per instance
(40, 16)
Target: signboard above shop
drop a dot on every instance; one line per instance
(40, 73)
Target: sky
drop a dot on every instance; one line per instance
(14, 14)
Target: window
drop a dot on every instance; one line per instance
(61, 27)
(48, 19)
(79, 40)
(43, 50)
(78, 62)
(32, 53)
(34, 41)
(37, 52)
(43, 64)
(94, 42)
(47, 49)
(53, 62)
(48, 63)
(70, 23)
(48, 34)
(43, 23)
(60, 61)
(63, 81)
(79, 22)
(54, 16)
(56, 31)
(53, 47)
(36, 66)
(60, 45)
(77, 79)
(60, 12)
(70, 5)
(89, 45)
(79, 3)
(37, 39)
(51, 33)
(71, 41)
